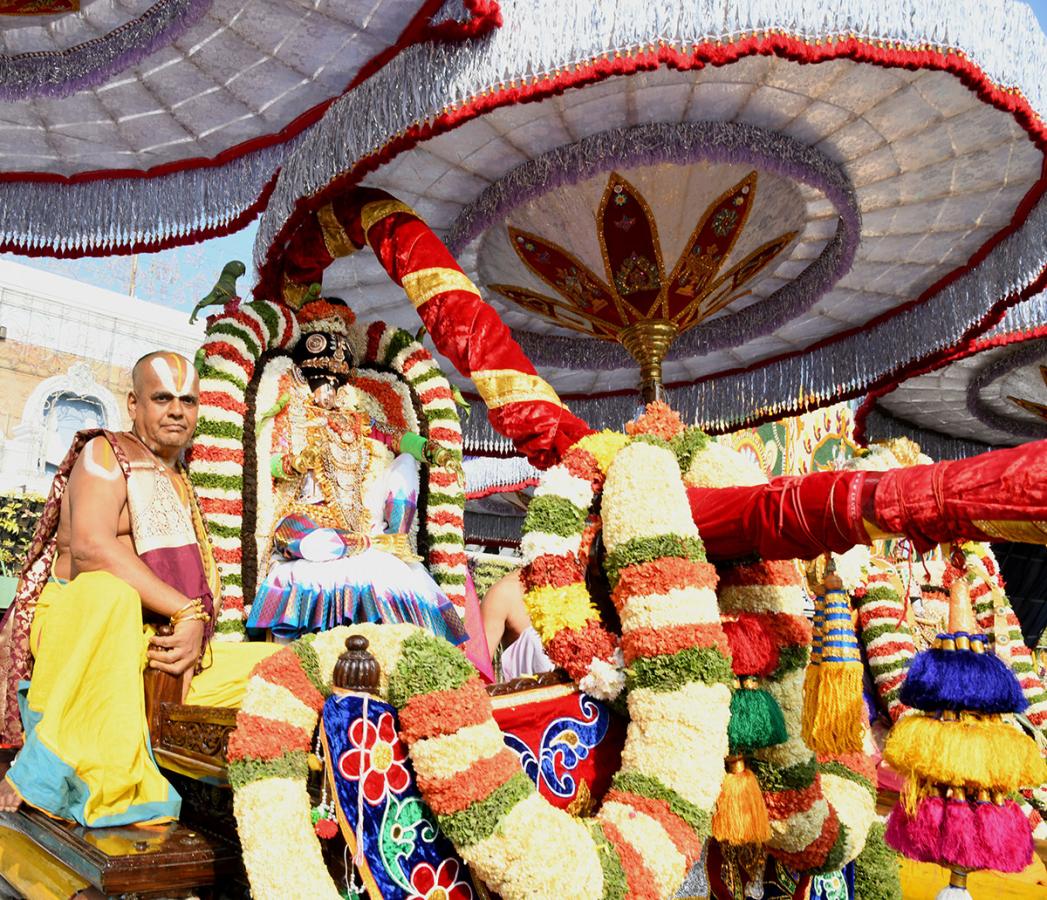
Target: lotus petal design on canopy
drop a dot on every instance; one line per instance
(637, 288)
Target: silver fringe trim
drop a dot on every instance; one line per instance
(60, 73)
(541, 37)
(722, 142)
(452, 11)
(880, 426)
(108, 216)
(485, 472)
(479, 437)
(1022, 317)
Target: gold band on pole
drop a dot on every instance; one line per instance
(500, 387)
(423, 285)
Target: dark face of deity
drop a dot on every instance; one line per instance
(324, 358)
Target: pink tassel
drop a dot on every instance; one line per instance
(1004, 832)
(919, 837)
(961, 844)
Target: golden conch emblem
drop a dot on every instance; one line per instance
(637, 289)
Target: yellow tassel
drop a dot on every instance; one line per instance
(810, 678)
(741, 814)
(913, 792)
(839, 718)
(810, 701)
(984, 753)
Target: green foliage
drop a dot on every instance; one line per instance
(687, 443)
(479, 820)
(644, 549)
(706, 665)
(554, 515)
(18, 517)
(487, 570)
(427, 663)
(876, 872)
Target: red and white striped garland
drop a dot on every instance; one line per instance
(886, 635)
(236, 338)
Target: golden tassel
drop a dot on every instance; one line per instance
(839, 716)
(741, 814)
(810, 678)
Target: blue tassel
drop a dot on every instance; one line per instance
(960, 680)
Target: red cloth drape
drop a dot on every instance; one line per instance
(801, 517)
(946, 501)
(793, 517)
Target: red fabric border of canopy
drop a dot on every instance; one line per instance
(38, 7)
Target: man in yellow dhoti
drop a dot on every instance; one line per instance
(121, 548)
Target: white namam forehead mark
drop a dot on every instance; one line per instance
(100, 461)
(175, 372)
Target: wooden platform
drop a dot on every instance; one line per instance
(42, 857)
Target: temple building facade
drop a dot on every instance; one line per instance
(66, 349)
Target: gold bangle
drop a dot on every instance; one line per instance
(183, 609)
(193, 609)
(194, 617)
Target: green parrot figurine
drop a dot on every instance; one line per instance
(224, 289)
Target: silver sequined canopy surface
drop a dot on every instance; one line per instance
(895, 151)
(979, 399)
(147, 123)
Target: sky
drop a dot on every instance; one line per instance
(179, 277)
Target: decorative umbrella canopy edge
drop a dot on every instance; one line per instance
(915, 113)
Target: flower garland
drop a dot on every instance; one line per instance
(650, 829)
(885, 634)
(820, 811)
(235, 339)
(553, 575)
(555, 542)
(273, 384)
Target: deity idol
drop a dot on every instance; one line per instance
(340, 551)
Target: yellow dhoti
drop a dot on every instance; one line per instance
(86, 755)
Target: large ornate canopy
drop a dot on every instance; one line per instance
(893, 153)
(149, 123)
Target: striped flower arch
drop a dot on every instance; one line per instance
(237, 339)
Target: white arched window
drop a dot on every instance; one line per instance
(66, 413)
(57, 408)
